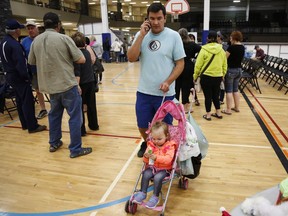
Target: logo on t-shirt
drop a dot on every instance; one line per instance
(154, 45)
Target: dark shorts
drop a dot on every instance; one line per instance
(232, 78)
(146, 107)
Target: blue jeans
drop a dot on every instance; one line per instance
(157, 179)
(232, 78)
(72, 102)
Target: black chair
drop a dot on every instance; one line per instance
(7, 96)
(281, 76)
(249, 75)
(10, 101)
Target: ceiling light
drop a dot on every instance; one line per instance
(92, 3)
(236, 1)
(132, 3)
(66, 24)
(30, 19)
(145, 2)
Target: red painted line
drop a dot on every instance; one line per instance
(94, 134)
(279, 129)
(272, 133)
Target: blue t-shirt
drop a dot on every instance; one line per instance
(157, 60)
(26, 43)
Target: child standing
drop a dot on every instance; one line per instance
(158, 159)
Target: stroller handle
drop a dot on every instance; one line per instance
(163, 99)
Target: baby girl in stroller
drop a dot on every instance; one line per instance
(158, 160)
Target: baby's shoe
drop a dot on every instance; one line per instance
(152, 203)
(139, 197)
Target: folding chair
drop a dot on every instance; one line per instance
(249, 75)
(9, 96)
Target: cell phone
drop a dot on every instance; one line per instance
(146, 19)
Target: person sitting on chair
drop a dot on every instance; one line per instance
(260, 55)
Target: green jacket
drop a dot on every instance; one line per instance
(217, 67)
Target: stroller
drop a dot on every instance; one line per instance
(178, 134)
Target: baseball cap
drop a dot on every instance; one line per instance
(51, 18)
(219, 34)
(13, 24)
(30, 23)
(212, 34)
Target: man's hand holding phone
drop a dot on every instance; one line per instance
(145, 27)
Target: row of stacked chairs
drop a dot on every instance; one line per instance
(272, 69)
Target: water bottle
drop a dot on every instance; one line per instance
(151, 161)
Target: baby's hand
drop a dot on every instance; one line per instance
(153, 157)
(147, 155)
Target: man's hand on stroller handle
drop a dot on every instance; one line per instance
(164, 87)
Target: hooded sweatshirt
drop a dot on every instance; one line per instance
(217, 67)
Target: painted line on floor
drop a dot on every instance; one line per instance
(120, 74)
(269, 116)
(8, 123)
(120, 174)
(277, 149)
(241, 145)
(93, 134)
(112, 186)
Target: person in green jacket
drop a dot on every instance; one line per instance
(213, 74)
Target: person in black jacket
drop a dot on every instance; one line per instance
(185, 81)
(14, 64)
(85, 76)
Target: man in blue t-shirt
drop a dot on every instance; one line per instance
(161, 54)
(26, 43)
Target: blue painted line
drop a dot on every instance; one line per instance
(3, 125)
(120, 74)
(76, 211)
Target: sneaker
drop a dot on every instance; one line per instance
(42, 114)
(153, 202)
(38, 129)
(142, 149)
(139, 197)
(197, 103)
(82, 152)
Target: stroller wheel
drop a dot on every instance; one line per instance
(130, 207)
(127, 206)
(162, 214)
(133, 208)
(180, 183)
(185, 185)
